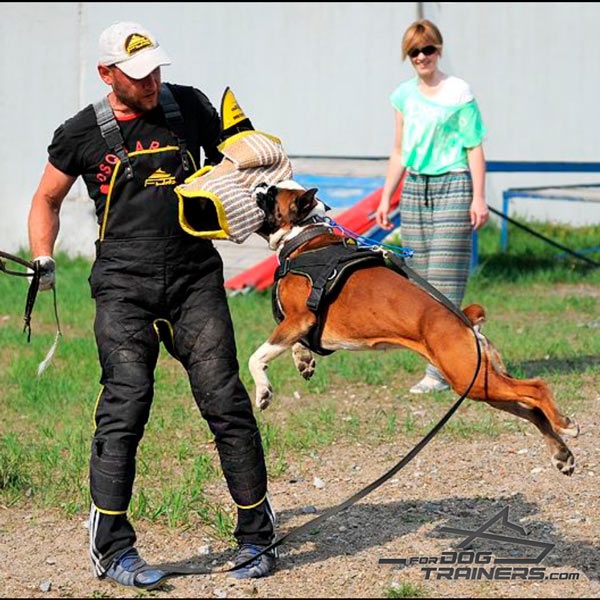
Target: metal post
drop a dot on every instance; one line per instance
(474, 251)
(504, 230)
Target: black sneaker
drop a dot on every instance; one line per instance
(261, 566)
(130, 569)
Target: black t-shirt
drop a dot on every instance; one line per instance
(78, 148)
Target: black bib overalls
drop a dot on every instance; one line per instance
(152, 281)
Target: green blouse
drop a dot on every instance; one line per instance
(435, 136)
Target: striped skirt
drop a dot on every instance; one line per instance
(436, 224)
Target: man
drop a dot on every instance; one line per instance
(151, 282)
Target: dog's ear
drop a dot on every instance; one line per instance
(302, 205)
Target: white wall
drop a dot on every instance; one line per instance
(38, 73)
(317, 75)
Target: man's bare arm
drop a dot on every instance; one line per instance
(44, 219)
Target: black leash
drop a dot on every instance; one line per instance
(400, 265)
(397, 264)
(17, 259)
(34, 286)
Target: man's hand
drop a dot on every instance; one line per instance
(46, 267)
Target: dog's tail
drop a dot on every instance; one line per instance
(476, 314)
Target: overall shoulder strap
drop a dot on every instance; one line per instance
(111, 133)
(175, 122)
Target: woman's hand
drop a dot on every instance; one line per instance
(479, 213)
(381, 215)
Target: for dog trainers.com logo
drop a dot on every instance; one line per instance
(471, 564)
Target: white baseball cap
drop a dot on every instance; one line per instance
(132, 48)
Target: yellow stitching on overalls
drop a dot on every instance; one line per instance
(252, 505)
(194, 167)
(111, 512)
(108, 198)
(153, 150)
(100, 510)
(114, 176)
(169, 326)
(96, 407)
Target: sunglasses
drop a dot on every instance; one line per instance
(427, 51)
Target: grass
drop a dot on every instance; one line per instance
(543, 315)
(404, 590)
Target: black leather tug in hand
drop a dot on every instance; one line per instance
(34, 273)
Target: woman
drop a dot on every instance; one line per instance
(438, 142)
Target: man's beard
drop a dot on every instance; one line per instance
(136, 104)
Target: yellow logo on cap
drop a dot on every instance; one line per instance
(231, 113)
(136, 42)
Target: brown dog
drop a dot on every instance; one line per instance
(377, 308)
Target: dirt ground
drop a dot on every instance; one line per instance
(454, 483)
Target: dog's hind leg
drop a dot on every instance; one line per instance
(304, 360)
(530, 399)
(562, 457)
(539, 407)
(457, 361)
(531, 393)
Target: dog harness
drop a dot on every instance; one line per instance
(327, 269)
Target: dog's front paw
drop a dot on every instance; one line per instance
(304, 361)
(264, 395)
